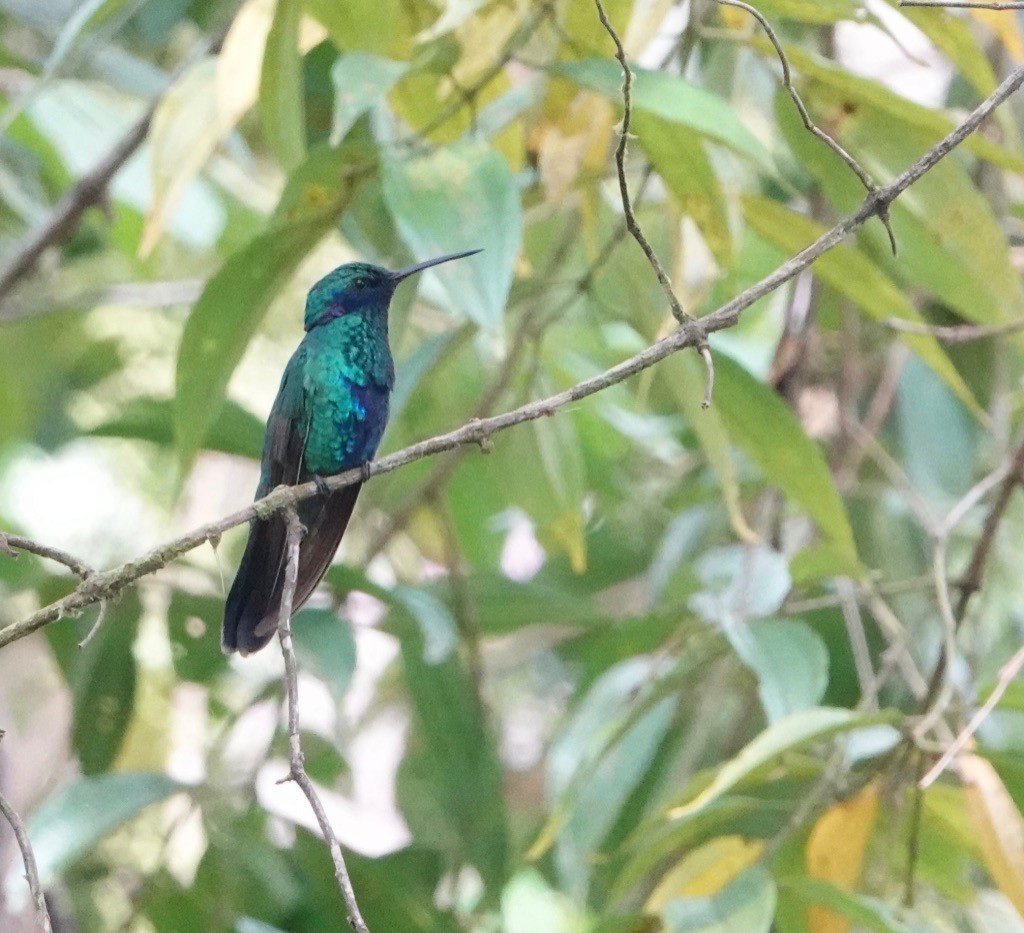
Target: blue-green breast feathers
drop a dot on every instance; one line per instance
(348, 375)
(332, 407)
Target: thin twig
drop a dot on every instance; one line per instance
(296, 759)
(859, 593)
(809, 124)
(632, 224)
(9, 544)
(956, 333)
(964, 4)
(874, 418)
(951, 618)
(1007, 673)
(29, 858)
(108, 583)
(858, 642)
(970, 583)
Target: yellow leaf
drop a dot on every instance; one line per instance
(203, 107)
(998, 826)
(735, 18)
(835, 853)
(1005, 29)
(482, 39)
(182, 136)
(577, 140)
(200, 110)
(241, 61)
(566, 531)
(705, 871)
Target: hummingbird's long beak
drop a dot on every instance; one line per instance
(426, 264)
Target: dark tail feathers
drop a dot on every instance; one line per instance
(254, 603)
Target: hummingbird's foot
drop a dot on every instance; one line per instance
(321, 485)
(364, 469)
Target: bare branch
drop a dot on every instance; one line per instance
(28, 857)
(809, 124)
(1011, 476)
(964, 4)
(108, 583)
(9, 544)
(296, 758)
(1006, 676)
(620, 166)
(632, 224)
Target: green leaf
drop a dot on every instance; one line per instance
(685, 375)
(763, 426)
(460, 197)
(789, 733)
(102, 678)
(950, 242)
(530, 904)
(747, 903)
(867, 94)
(367, 27)
(791, 664)
(819, 12)
(410, 371)
(234, 301)
(852, 274)
(361, 81)
(609, 774)
(434, 620)
(865, 912)
(678, 155)
(325, 647)
(225, 319)
(740, 582)
(71, 821)
(503, 605)
(461, 761)
(193, 627)
(235, 430)
(939, 441)
(672, 98)
(281, 99)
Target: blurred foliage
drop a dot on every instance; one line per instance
(640, 668)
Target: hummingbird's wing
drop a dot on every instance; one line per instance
(254, 602)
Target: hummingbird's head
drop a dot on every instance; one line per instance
(360, 286)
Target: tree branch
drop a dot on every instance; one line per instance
(632, 224)
(91, 188)
(805, 117)
(108, 583)
(296, 758)
(11, 544)
(965, 4)
(28, 857)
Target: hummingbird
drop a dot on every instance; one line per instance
(329, 416)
